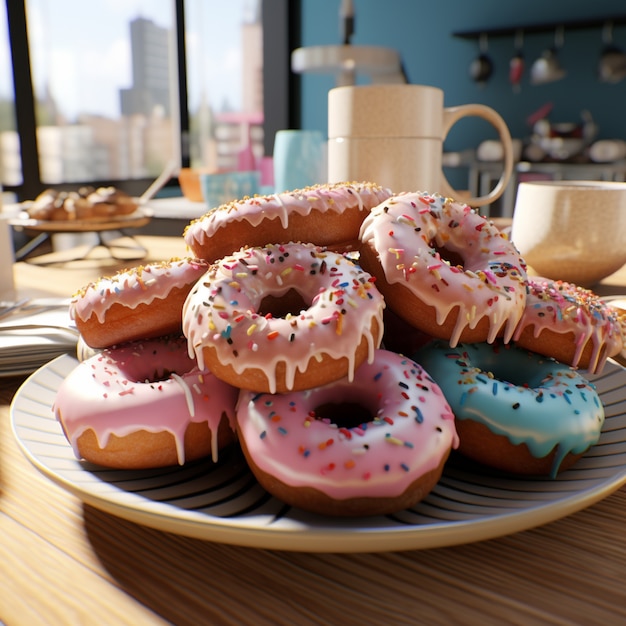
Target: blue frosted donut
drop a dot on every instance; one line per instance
(547, 412)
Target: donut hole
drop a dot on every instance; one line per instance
(508, 370)
(290, 302)
(451, 257)
(142, 370)
(343, 414)
(159, 376)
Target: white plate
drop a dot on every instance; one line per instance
(224, 503)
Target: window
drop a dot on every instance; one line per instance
(109, 93)
(102, 88)
(225, 80)
(10, 166)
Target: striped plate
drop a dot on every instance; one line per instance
(224, 503)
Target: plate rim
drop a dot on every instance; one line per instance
(337, 539)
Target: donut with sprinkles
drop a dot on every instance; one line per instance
(137, 303)
(283, 318)
(145, 404)
(327, 215)
(374, 445)
(443, 268)
(569, 323)
(515, 410)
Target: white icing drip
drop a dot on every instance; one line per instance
(565, 308)
(367, 462)
(401, 230)
(324, 198)
(221, 311)
(283, 215)
(99, 394)
(188, 396)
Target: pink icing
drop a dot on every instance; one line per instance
(323, 198)
(132, 287)
(566, 308)
(222, 310)
(491, 281)
(411, 429)
(119, 392)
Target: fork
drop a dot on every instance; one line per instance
(72, 331)
(6, 308)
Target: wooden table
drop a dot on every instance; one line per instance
(62, 562)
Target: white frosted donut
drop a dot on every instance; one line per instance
(283, 317)
(137, 303)
(326, 215)
(372, 446)
(145, 404)
(443, 268)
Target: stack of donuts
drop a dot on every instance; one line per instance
(347, 339)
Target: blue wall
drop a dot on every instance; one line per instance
(422, 33)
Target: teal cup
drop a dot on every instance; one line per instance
(224, 187)
(299, 159)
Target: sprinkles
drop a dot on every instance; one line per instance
(451, 261)
(316, 442)
(335, 306)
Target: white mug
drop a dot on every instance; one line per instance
(299, 159)
(571, 230)
(393, 135)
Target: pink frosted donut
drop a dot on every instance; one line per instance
(283, 318)
(145, 404)
(443, 268)
(137, 303)
(372, 446)
(326, 215)
(569, 323)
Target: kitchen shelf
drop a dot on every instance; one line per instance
(546, 27)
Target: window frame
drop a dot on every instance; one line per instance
(281, 35)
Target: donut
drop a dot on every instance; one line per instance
(569, 323)
(443, 268)
(283, 318)
(145, 404)
(618, 306)
(515, 410)
(86, 203)
(326, 215)
(372, 446)
(111, 202)
(56, 205)
(137, 303)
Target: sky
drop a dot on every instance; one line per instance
(79, 47)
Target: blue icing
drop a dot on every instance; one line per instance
(547, 405)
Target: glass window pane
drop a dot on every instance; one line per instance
(224, 47)
(10, 162)
(104, 85)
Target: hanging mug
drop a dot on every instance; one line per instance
(393, 135)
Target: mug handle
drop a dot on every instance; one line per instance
(453, 115)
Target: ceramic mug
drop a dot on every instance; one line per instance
(299, 159)
(571, 230)
(393, 135)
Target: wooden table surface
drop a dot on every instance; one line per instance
(62, 562)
